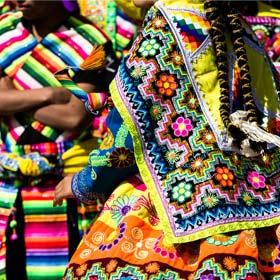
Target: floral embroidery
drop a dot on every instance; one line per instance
(158, 22)
(152, 267)
(81, 270)
(177, 58)
(224, 176)
(247, 198)
(208, 137)
(166, 85)
(121, 206)
(192, 102)
(136, 244)
(210, 200)
(138, 72)
(197, 164)
(172, 156)
(182, 127)
(182, 192)
(111, 266)
(156, 112)
(121, 158)
(230, 263)
(149, 47)
(256, 180)
(147, 203)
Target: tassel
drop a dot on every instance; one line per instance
(96, 60)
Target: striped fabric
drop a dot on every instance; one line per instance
(31, 65)
(46, 234)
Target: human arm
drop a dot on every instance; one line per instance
(69, 116)
(107, 167)
(14, 101)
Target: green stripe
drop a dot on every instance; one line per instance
(8, 23)
(34, 69)
(89, 32)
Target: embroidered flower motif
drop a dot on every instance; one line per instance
(166, 85)
(256, 180)
(156, 112)
(149, 47)
(208, 137)
(230, 263)
(80, 271)
(121, 157)
(191, 101)
(152, 267)
(247, 198)
(121, 206)
(150, 207)
(182, 192)
(209, 276)
(158, 22)
(197, 164)
(210, 200)
(111, 266)
(136, 244)
(138, 72)
(172, 156)
(177, 58)
(182, 127)
(224, 176)
(265, 159)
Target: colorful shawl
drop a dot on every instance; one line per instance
(167, 93)
(31, 64)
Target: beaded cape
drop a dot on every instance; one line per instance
(167, 92)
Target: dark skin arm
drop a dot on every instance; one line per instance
(70, 116)
(14, 101)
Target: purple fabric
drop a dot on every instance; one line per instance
(70, 5)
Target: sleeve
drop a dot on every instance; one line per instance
(109, 165)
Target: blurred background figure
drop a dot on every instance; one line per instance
(40, 121)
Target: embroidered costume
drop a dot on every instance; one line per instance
(200, 209)
(31, 153)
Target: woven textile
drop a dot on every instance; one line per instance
(31, 64)
(167, 94)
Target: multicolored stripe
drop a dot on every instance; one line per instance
(33, 66)
(46, 233)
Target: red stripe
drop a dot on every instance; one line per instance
(13, 40)
(74, 45)
(45, 62)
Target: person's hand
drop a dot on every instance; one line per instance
(60, 95)
(62, 191)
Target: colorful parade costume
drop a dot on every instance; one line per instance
(119, 19)
(202, 208)
(31, 158)
(266, 26)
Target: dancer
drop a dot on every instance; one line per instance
(197, 98)
(40, 121)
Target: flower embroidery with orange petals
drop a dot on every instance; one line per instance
(224, 176)
(166, 85)
(152, 267)
(230, 263)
